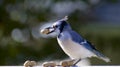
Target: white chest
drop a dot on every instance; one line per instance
(74, 50)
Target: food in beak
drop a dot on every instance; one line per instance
(47, 30)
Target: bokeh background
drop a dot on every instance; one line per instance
(20, 21)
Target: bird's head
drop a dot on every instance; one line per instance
(58, 27)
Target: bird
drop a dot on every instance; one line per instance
(72, 43)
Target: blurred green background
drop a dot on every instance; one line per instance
(20, 21)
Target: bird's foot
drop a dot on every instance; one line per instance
(76, 61)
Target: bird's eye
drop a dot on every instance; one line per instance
(55, 26)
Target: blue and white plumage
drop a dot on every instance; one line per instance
(72, 43)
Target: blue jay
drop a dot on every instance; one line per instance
(72, 43)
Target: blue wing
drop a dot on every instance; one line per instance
(77, 38)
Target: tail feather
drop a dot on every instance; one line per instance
(101, 56)
(106, 59)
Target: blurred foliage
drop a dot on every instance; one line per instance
(20, 22)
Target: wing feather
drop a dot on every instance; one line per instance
(77, 38)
